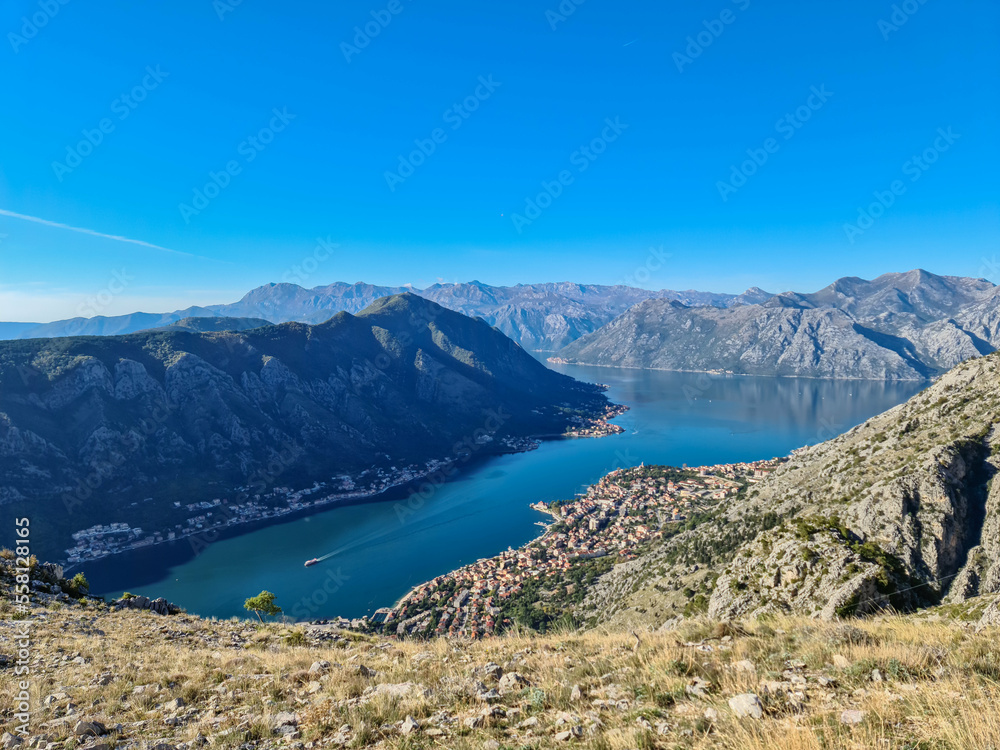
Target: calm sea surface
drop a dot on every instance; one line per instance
(383, 549)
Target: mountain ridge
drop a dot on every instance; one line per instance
(910, 326)
(160, 413)
(538, 316)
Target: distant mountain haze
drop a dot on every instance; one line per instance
(908, 326)
(542, 317)
(899, 326)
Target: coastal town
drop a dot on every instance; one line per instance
(613, 519)
(208, 517)
(200, 522)
(582, 426)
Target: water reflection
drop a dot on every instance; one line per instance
(676, 418)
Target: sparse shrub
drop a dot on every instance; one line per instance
(78, 586)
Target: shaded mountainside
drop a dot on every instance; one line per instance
(206, 325)
(898, 327)
(902, 511)
(97, 425)
(537, 316)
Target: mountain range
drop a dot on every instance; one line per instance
(908, 326)
(899, 326)
(94, 429)
(541, 317)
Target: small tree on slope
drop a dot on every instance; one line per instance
(263, 602)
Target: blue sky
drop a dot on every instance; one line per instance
(183, 90)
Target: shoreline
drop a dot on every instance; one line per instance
(239, 528)
(403, 598)
(567, 363)
(393, 491)
(475, 593)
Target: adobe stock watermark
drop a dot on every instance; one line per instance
(31, 25)
(20, 636)
(99, 302)
(697, 389)
(582, 158)
(464, 449)
(102, 470)
(914, 168)
(249, 149)
(309, 605)
(455, 117)
(656, 259)
(563, 11)
(122, 106)
(300, 272)
(990, 269)
(714, 28)
(787, 127)
(415, 323)
(363, 35)
(828, 430)
(901, 13)
(224, 7)
(258, 484)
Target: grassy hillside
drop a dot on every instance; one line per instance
(185, 682)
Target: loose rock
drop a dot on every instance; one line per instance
(747, 705)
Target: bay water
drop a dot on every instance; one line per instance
(385, 548)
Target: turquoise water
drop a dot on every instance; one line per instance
(383, 549)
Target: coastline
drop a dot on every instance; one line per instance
(408, 594)
(614, 519)
(561, 361)
(594, 426)
(231, 529)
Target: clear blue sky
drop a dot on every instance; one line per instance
(324, 174)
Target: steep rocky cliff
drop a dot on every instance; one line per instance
(902, 511)
(897, 327)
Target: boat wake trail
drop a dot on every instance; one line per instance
(385, 537)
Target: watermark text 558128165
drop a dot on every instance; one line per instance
(22, 633)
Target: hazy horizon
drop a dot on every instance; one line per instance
(204, 149)
(122, 301)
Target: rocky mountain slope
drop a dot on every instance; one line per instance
(100, 429)
(898, 327)
(537, 316)
(108, 676)
(900, 512)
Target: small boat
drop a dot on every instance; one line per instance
(312, 562)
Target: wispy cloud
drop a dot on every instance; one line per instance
(92, 233)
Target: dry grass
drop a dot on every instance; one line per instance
(940, 684)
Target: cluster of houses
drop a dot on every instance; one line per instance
(596, 426)
(616, 516)
(103, 540)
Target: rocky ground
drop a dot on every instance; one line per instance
(901, 512)
(104, 677)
